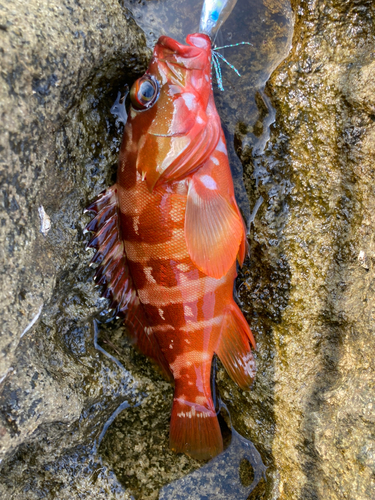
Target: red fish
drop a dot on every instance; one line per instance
(168, 235)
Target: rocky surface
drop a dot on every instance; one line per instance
(310, 287)
(58, 61)
(307, 291)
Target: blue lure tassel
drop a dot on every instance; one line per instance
(216, 56)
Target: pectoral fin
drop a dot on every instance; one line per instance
(213, 228)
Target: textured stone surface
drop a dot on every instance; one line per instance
(58, 61)
(307, 291)
(310, 287)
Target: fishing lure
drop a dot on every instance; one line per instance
(168, 235)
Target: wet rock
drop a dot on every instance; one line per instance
(61, 65)
(309, 290)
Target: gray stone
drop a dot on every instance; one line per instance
(58, 61)
(307, 290)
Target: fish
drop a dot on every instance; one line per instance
(168, 236)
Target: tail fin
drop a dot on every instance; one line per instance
(195, 430)
(234, 349)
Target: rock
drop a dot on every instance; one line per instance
(61, 65)
(307, 290)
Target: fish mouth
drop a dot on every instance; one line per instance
(191, 56)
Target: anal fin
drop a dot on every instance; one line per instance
(234, 348)
(113, 274)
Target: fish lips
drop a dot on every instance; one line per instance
(192, 56)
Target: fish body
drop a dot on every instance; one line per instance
(168, 235)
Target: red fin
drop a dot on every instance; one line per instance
(113, 274)
(213, 228)
(195, 430)
(234, 350)
(244, 246)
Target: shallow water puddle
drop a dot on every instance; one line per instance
(221, 477)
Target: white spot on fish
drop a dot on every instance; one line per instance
(176, 214)
(199, 120)
(163, 328)
(248, 364)
(183, 267)
(193, 413)
(192, 326)
(136, 224)
(164, 78)
(214, 160)
(45, 221)
(187, 359)
(148, 330)
(174, 89)
(208, 182)
(221, 146)
(188, 311)
(200, 400)
(161, 313)
(189, 100)
(149, 277)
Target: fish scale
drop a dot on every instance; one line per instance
(168, 235)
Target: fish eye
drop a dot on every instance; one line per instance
(144, 92)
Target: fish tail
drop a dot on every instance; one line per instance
(195, 428)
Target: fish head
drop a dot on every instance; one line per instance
(172, 111)
(184, 69)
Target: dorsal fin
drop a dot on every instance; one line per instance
(113, 274)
